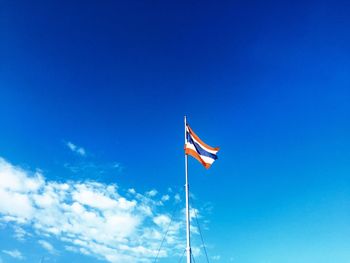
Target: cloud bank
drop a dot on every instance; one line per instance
(87, 217)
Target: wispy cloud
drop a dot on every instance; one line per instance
(177, 197)
(216, 257)
(46, 245)
(76, 149)
(88, 217)
(19, 233)
(165, 198)
(14, 253)
(93, 169)
(152, 193)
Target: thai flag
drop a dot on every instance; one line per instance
(195, 147)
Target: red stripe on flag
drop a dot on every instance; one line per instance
(197, 156)
(200, 141)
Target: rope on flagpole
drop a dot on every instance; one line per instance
(183, 253)
(193, 257)
(166, 233)
(200, 233)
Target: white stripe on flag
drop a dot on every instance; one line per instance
(206, 159)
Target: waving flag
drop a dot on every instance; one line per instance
(195, 147)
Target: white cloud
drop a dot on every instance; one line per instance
(165, 198)
(14, 253)
(177, 197)
(92, 169)
(46, 245)
(88, 217)
(216, 257)
(74, 148)
(132, 191)
(194, 213)
(152, 193)
(19, 233)
(162, 220)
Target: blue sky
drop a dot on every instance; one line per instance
(92, 99)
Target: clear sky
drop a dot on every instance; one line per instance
(92, 99)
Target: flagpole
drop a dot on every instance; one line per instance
(188, 247)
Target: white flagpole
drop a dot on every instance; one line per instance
(188, 248)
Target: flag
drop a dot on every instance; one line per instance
(195, 147)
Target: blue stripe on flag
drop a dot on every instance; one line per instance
(199, 149)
